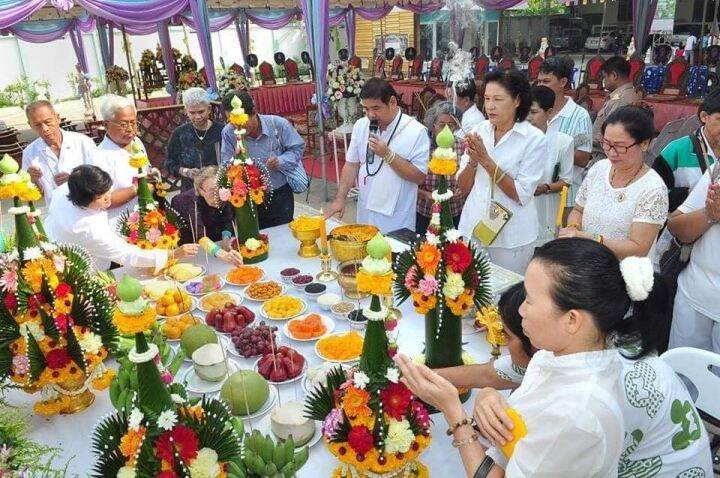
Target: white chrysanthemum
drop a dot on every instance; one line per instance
(176, 398)
(444, 153)
(452, 235)
(205, 465)
(48, 246)
(126, 472)
(135, 418)
(32, 253)
(167, 420)
(393, 374)
(432, 238)
(32, 328)
(361, 380)
(454, 285)
(91, 343)
(399, 437)
(376, 266)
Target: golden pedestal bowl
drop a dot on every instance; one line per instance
(347, 278)
(307, 238)
(348, 242)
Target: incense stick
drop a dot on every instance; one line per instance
(207, 260)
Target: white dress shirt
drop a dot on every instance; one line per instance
(76, 149)
(116, 162)
(520, 153)
(91, 229)
(560, 154)
(571, 408)
(386, 200)
(471, 118)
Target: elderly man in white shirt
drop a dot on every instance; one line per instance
(120, 119)
(389, 165)
(77, 215)
(50, 158)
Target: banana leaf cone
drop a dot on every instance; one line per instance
(38, 222)
(24, 235)
(375, 358)
(248, 227)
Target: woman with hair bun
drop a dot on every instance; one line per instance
(570, 401)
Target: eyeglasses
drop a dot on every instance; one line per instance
(128, 125)
(607, 146)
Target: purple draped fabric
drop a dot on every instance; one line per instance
(337, 17)
(373, 14)
(643, 13)
(316, 14)
(271, 19)
(420, 8)
(137, 13)
(218, 21)
(44, 31)
(140, 29)
(166, 48)
(202, 27)
(62, 5)
(350, 30)
(19, 11)
(79, 46)
(242, 28)
(498, 4)
(107, 44)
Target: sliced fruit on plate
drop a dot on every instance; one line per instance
(285, 364)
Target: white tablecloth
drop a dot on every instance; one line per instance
(72, 433)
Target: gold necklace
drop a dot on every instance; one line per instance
(620, 195)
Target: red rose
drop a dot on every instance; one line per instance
(35, 301)
(57, 358)
(11, 301)
(170, 229)
(457, 256)
(62, 290)
(360, 439)
(62, 321)
(396, 399)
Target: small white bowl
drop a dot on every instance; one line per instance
(327, 300)
(315, 295)
(288, 279)
(359, 325)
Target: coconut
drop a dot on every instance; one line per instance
(245, 391)
(196, 336)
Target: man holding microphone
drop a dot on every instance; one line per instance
(388, 155)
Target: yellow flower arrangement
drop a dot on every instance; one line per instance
(374, 284)
(423, 303)
(257, 195)
(129, 325)
(370, 461)
(355, 403)
(237, 200)
(138, 161)
(428, 258)
(52, 407)
(461, 305)
(195, 412)
(34, 271)
(238, 119)
(63, 305)
(102, 382)
(130, 444)
(442, 166)
(153, 218)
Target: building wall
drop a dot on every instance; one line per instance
(398, 21)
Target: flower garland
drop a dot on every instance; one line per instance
(343, 82)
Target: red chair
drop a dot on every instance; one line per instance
(267, 75)
(396, 71)
(355, 61)
(481, 66)
(436, 70)
(637, 68)
(534, 67)
(291, 71)
(592, 72)
(415, 69)
(237, 69)
(379, 68)
(675, 82)
(506, 64)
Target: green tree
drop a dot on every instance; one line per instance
(538, 7)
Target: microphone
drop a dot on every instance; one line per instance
(373, 129)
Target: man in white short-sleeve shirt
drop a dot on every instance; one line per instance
(696, 313)
(51, 157)
(463, 94)
(388, 165)
(569, 118)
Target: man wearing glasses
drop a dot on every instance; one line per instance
(53, 155)
(120, 119)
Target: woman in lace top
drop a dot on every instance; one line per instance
(622, 203)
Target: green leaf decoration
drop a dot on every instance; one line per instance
(341, 434)
(213, 433)
(106, 446)
(49, 326)
(9, 328)
(74, 349)
(46, 291)
(36, 358)
(322, 400)
(5, 363)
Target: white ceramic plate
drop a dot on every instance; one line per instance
(263, 426)
(237, 298)
(193, 306)
(197, 385)
(262, 276)
(292, 380)
(199, 274)
(317, 350)
(327, 322)
(267, 406)
(309, 387)
(302, 311)
(199, 279)
(233, 350)
(282, 291)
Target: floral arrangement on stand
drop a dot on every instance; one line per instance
(190, 79)
(117, 78)
(445, 276)
(245, 185)
(343, 82)
(55, 327)
(176, 55)
(229, 80)
(188, 63)
(149, 226)
(371, 421)
(159, 431)
(147, 60)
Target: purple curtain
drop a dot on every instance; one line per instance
(499, 4)
(218, 20)
(337, 17)
(373, 14)
(242, 28)
(79, 46)
(420, 8)
(166, 47)
(316, 14)
(107, 45)
(643, 14)
(271, 19)
(202, 27)
(15, 11)
(140, 29)
(350, 29)
(135, 13)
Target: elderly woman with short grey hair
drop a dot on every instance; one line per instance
(196, 143)
(437, 117)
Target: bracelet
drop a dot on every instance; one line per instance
(389, 157)
(598, 238)
(461, 423)
(483, 470)
(461, 443)
(497, 181)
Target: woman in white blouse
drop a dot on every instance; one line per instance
(577, 296)
(622, 202)
(505, 161)
(78, 215)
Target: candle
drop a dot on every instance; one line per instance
(323, 234)
(561, 207)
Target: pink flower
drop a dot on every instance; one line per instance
(134, 217)
(21, 364)
(166, 377)
(133, 236)
(428, 285)
(59, 262)
(153, 235)
(436, 208)
(390, 324)
(338, 95)
(239, 187)
(410, 277)
(332, 422)
(9, 280)
(224, 194)
(420, 413)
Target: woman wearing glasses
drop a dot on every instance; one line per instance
(622, 203)
(113, 155)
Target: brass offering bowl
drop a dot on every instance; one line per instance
(347, 278)
(307, 238)
(345, 246)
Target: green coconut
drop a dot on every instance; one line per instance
(196, 336)
(445, 138)
(245, 391)
(378, 247)
(8, 165)
(129, 289)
